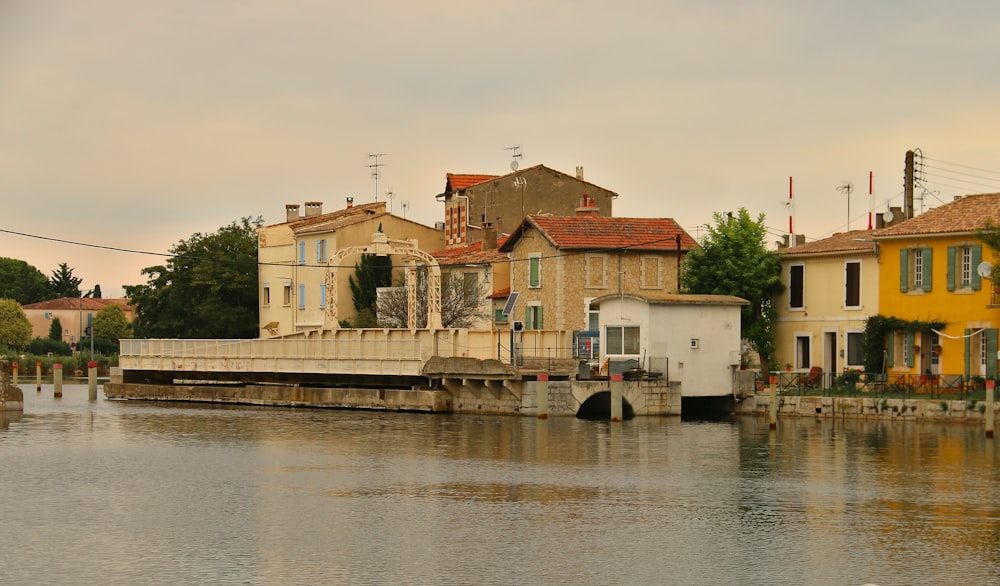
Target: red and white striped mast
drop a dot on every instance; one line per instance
(871, 201)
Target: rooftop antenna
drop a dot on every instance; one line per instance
(515, 155)
(405, 204)
(375, 169)
(847, 187)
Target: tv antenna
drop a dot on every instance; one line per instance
(847, 187)
(405, 204)
(515, 155)
(375, 169)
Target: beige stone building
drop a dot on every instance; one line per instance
(294, 257)
(73, 314)
(481, 263)
(559, 265)
(503, 201)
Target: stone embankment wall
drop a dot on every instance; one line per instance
(866, 407)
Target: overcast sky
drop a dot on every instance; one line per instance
(134, 125)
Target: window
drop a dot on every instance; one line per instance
(302, 253)
(962, 264)
(499, 316)
(651, 276)
(535, 270)
(622, 339)
(596, 271)
(322, 295)
(286, 294)
(796, 284)
(935, 356)
(533, 317)
(266, 296)
(470, 284)
(802, 354)
(321, 250)
(915, 269)
(855, 349)
(852, 284)
(593, 317)
(302, 296)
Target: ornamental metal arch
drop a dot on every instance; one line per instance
(381, 246)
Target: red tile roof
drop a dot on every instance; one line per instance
(964, 215)
(853, 242)
(88, 303)
(458, 181)
(500, 293)
(602, 233)
(473, 254)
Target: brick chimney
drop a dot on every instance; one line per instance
(579, 172)
(350, 202)
(292, 212)
(587, 207)
(489, 236)
(314, 208)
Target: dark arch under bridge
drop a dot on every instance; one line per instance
(598, 408)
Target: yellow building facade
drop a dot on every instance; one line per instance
(934, 269)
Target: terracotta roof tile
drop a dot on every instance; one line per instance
(459, 181)
(87, 303)
(966, 214)
(855, 241)
(473, 254)
(598, 233)
(500, 293)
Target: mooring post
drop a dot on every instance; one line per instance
(57, 379)
(38, 375)
(542, 395)
(990, 385)
(616, 396)
(92, 379)
(14, 372)
(773, 407)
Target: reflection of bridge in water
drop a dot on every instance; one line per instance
(446, 370)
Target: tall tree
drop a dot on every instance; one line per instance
(733, 260)
(370, 273)
(15, 329)
(64, 284)
(23, 283)
(110, 323)
(206, 289)
(56, 329)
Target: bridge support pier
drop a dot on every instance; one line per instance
(542, 394)
(617, 385)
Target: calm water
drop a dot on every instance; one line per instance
(140, 493)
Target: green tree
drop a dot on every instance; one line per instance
(110, 323)
(56, 329)
(23, 283)
(207, 289)
(64, 284)
(733, 260)
(370, 273)
(15, 329)
(990, 234)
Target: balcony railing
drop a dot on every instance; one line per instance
(917, 386)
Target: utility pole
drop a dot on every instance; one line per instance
(908, 186)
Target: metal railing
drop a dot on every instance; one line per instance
(856, 384)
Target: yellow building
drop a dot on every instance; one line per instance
(831, 289)
(933, 269)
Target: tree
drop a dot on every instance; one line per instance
(96, 294)
(23, 283)
(462, 303)
(207, 289)
(63, 283)
(56, 329)
(990, 234)
(15, 329)
(733, 260)
(110, 323)
(370, 273)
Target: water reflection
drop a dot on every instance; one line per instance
(178, 493)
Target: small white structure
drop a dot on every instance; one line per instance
(691, 339)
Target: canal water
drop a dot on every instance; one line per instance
(108, 492)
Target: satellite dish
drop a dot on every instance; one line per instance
(887, 216)
(513, 165)
(985, 269)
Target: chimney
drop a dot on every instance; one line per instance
(587, 207)
(314, 208)
(350, 202)
(579, 172)
(489, 236)
(292, 212)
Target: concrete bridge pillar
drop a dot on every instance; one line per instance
(617, 385)
(542, 390)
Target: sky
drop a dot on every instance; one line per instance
(130, 126)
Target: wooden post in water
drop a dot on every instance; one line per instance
(542, 395)
(92, 380)
(616, 397)
(990, 385)
(14, 372)
(773, 407)
(57, 379)
(38, 375)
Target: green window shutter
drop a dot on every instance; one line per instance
(890, 349)
(527, 318)
(903, 265)
(910, 358)
(991, 352)
(534, 266)
(540, 320)
(928, 267)
(968, 351)
(951, 268)
(977, 257)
